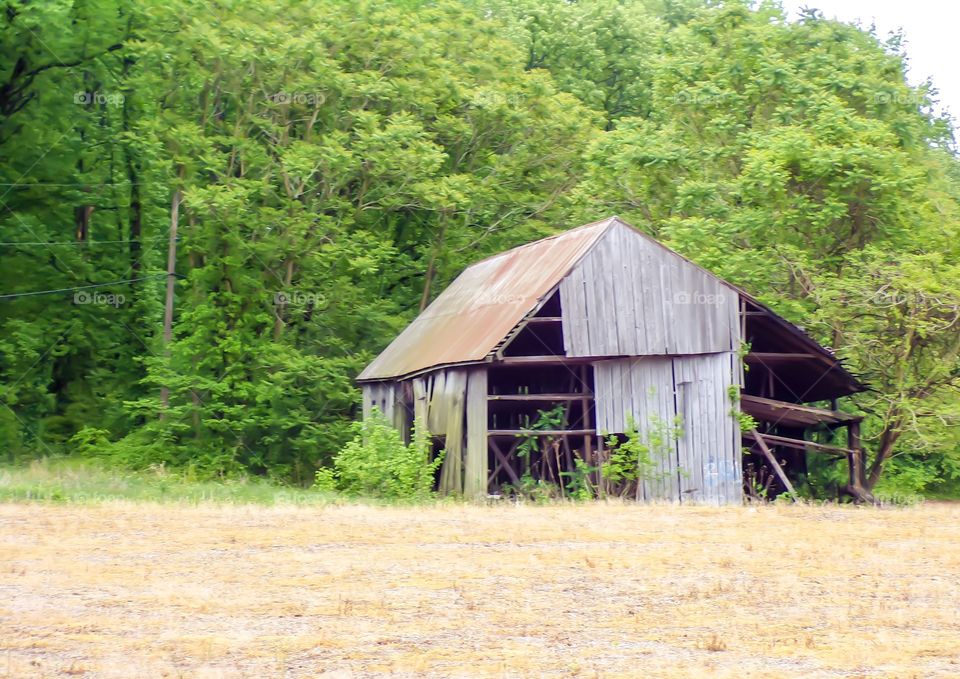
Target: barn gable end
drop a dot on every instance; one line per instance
(630, 296)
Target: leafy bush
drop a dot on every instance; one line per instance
(578, 481)
(636, 457)
(377, 463)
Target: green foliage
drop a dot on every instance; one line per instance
(377, 463)
(635, 458)
(341, 162)
(90, 441)
(744, 420)
(536, 490)
(546, 420)
(325, 480)
(578, 486)
(84, 481)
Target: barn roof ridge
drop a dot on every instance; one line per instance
(583, 227)
(490, 296)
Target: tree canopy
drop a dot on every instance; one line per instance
(335, 164)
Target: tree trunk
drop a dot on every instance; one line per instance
(888, 439)
(136, 205)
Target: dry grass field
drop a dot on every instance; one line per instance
(147, 590)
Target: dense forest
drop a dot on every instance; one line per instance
(331, 165)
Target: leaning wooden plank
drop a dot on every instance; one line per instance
(621, 287)
(776, 465)
(451, 474)
(420, 402)
(389, 401)
(593, 318)
(475, 465)
(616, 282)
(573, 309)
(801, 444)
(367, 391)
(438, 403)
(736, 443)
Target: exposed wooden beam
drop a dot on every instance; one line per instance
(540, 432)
(772, 357)
(549, 360)
(771, 410)
(538, 397)
(773, 462)
(798, 443)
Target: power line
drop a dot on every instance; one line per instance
(80, 242)
(22, 185)
(36, 293)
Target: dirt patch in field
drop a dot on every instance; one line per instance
(127, 590)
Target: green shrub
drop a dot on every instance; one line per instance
(377, 463)
(637, 456)
(325, 480)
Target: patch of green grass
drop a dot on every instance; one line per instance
(944, 492)
(84, 481)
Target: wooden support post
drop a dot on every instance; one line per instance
(475, 465)
(856, 458)
(853, 459)
(451, 473)
(743, 320)
(776, 465)
(857, 472)
(585, 405)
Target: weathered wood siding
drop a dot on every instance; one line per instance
(475, 462)
(641, 389)
(451, 403)
(703, 465)
(382, 396)
(709, 450)
(630, 296)
(451, 474)
(440, 405)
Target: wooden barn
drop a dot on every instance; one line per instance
(604, 329)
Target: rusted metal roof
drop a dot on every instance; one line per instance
(470, 318)
(475, 313)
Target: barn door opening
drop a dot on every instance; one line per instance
(540, 422)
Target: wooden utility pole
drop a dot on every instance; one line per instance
(171, 279)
